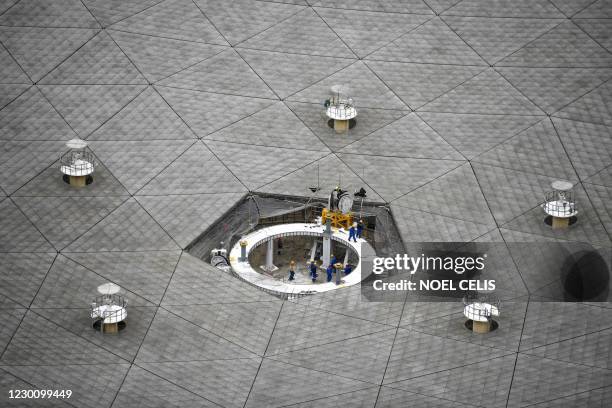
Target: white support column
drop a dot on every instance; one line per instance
(270, 256)
(326, 252)
(346, 256)
(326, 245)
(313, 251)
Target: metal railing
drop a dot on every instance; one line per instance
(97, 312)
(77, 158)
(472, 298)
(560, 204)
(280, 295)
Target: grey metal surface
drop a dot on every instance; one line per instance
(468, 110)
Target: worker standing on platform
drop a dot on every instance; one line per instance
(359, 228)
(333, 260)
(330, 271)
(292, 270)
(313, 271)
(352, 233)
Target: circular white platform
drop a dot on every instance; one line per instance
(562, 185)
(341, 112)
(108, 289)
(480, 312)
(78, 168)
(259, 237)
(76, 144)
(340, 89)
(110, 313)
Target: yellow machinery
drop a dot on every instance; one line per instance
(338, 209)
(338, 219)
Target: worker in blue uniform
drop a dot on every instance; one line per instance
(313, 272)
(330, 271)
(352, 233)
(347, 269)
(292, 270)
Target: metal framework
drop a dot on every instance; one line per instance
(560, 203)
(77, 163)
(108, 311)
(340, 108)
(479, 310)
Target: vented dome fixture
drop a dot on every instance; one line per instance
(78, 164)
(560, 206)
(109, 309)
(341, 110)
(479, 310)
